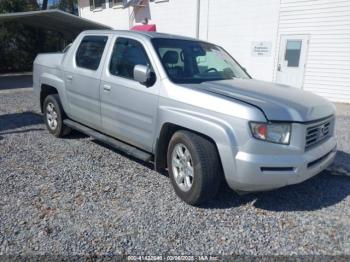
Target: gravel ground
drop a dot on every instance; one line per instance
(77, 196)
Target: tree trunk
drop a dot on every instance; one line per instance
(41, 33)
(71, 4)
(32, 5)
(44, 5)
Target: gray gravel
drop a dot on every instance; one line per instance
(76, 196)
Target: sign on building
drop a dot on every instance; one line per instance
(261, 48)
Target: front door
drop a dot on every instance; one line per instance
(292, 60)
(128, 108)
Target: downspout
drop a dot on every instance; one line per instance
(79, 12)
(130, 18)
(198, 18)
(208, 20)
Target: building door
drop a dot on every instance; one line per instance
(292, 60)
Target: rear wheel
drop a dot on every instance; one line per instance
(194, 167)
(54, 115)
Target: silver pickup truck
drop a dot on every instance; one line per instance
(188, 107)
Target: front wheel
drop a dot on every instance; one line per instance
(194, 167)
(54, 115)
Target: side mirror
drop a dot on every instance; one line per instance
(142, 74)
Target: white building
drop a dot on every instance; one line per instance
(303, 43)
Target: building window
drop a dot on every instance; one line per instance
(97, 4)
(159, 1)
(117, 2)
(293, 50)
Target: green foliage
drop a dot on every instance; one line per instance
(19, 43)
(69, 6)
(10, 6)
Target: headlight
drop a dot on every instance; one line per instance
(271, 132)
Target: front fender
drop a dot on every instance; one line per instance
(217, 129)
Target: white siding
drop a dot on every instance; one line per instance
(328, 62)
(231, 24)
(116, 18)
(236, 24)
(173, 16)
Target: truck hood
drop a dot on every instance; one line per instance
(278, 102)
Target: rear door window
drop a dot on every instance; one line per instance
(90, 52)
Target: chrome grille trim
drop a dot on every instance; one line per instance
(318, 132)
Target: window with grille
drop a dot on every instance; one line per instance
(117, 2)
(97, 4)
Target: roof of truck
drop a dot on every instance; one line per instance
(139, 33)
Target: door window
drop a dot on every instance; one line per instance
(127, 53)
(90, 52)
(293, 50)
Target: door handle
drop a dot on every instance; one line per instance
(279, 68)
(69, 78)
(107, 87)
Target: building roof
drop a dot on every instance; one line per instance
(67, 24)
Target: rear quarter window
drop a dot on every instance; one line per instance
(90, 51)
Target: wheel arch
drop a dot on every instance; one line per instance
(51, 84)
(168, 129)
(215, 129)
(45, 91)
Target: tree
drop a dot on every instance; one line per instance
(10, 6)
(44, 5)
(19, 43)
(69, 6)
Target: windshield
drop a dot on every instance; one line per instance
(187, 61)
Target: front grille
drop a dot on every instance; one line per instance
(318, 132)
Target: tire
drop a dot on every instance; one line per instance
(54, 115)
(203, 162)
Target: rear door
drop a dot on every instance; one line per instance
(82, 76)
(128, 108)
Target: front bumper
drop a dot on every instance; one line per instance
(259, 172)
